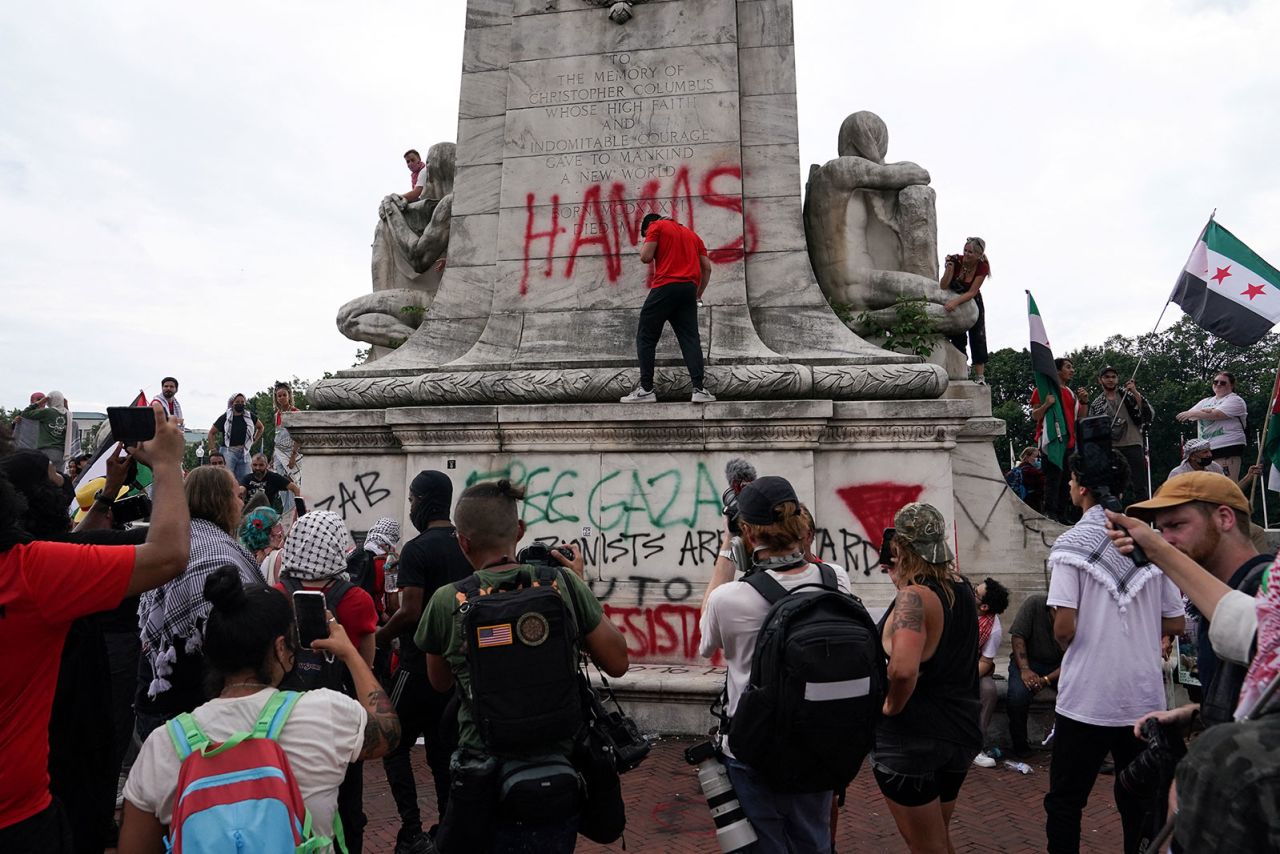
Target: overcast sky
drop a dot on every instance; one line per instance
(192, 190)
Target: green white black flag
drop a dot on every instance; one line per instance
(1227, 289)
(1053, 430)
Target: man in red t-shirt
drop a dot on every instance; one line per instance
(680, 276)
(1074, 406)
(44, 586)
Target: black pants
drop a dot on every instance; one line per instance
(976, 337)
(1057, 486)
(1137, 460)
(46, 832)
(1078, 752)
(122, 653)
(677, 304)
(351, 808)
(420, 709)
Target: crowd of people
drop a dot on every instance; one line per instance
(1218, 446)
(143, 656)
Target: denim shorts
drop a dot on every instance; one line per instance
(915, 770)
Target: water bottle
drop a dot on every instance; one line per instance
(1020, 767)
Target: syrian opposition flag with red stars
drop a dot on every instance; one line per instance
(1227, 289)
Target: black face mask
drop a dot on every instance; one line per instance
(418, 514)
(239, 407)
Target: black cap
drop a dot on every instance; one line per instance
(1111, 368)
(758, 499)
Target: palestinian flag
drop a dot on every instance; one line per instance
(1227, 289)
(1053, 430)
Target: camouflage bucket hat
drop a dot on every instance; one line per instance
(921, 528)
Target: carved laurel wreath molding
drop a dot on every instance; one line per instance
(603, 385)
(671, 436)
(619, 10)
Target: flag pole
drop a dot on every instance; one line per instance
(1263, 438)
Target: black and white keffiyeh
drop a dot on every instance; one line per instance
(383, 536)
(317, 548)
(175, 612)
(1087, 547)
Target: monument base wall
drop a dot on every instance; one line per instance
(638, 488)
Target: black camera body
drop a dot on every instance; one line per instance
(539, 554)
(1151, 770)
(630, 747)
(134, 508)
(729, 498)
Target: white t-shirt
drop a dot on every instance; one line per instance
(421, 180)
(324, 734)
(992, 645)
(1111, 673)
(733, 616)
(1230, 430)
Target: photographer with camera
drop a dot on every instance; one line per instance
(773, 529)
(1111, 614)
(510, 636)
(1206, 517)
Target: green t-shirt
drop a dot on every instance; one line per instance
(439, 633)
(53, 425)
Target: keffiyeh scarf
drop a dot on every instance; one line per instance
(986, 622)
(1265, 667)
(175, 612)
(317, 548)
(383, 536)
(1087, 547)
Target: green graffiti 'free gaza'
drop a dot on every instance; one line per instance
(617, 500)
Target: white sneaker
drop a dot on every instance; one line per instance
(639, 396)
(701, 395)
(982, 760)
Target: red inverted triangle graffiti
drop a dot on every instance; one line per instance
(874, 504)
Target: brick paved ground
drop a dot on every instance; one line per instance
(999, 810)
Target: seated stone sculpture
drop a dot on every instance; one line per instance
(409, 247)
(872, 231)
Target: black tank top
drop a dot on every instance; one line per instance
(945, 701)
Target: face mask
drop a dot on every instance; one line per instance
(239, 407)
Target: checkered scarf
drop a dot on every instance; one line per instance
(1087, 547)
(176, 611)
(1265, 667)
(317, 548)
(383, 536)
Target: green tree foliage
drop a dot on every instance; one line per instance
(263, 407)
(1177, 366)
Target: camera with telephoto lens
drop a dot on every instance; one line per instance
(733, 830)
(1096, 461)
(1152, 769)
(539, 554)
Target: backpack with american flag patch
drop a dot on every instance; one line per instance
(520, 639)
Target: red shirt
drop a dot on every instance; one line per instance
(678, 251)
(355, 613)
(1068, 400)
(43, 588)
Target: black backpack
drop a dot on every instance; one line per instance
(521, 644)
(363, 573)
(807, 717)
(314, 669)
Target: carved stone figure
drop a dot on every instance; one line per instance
(619, 12)
(872, 230)
(409, 247)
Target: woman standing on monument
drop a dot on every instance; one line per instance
(964, 276)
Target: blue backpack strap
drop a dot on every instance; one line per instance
(275, 713)
(186, 735)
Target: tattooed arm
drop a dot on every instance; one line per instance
(907, 633)
(382, 730)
